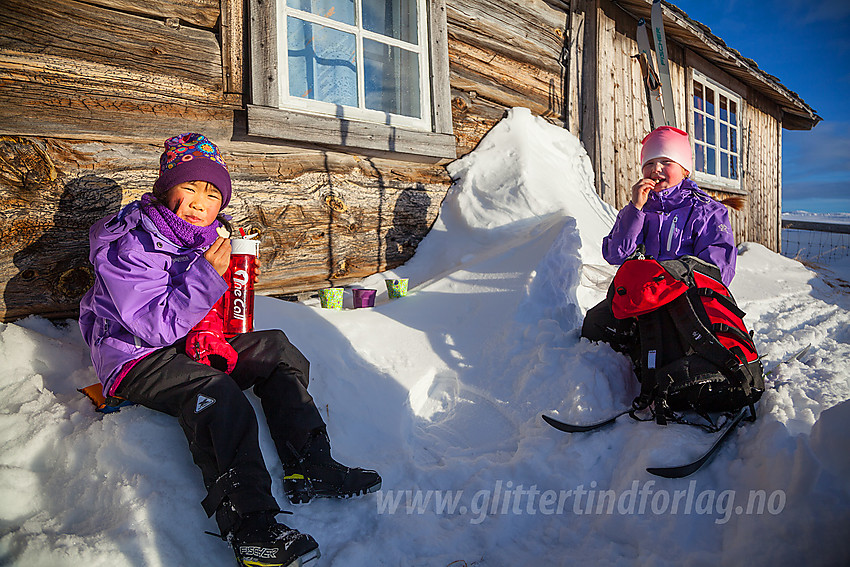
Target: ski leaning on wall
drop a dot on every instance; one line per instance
(663, 63)
(651, 82)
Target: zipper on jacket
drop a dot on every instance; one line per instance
(670, 234)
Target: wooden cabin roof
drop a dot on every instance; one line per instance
(683, 29)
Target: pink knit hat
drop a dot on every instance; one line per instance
(667, 142)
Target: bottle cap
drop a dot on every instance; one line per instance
(244, 246)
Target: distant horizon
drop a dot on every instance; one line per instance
(843, 218)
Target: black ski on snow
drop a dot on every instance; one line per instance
(570, 428)
(690, 468)
(796, 356)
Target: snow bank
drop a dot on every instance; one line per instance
(441, 392)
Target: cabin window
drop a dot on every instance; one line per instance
(716, 133)
(370, 74)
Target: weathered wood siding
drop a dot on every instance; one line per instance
(763, 172)
(503, 54)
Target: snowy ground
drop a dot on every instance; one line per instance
(442, 392)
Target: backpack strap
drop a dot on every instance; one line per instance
(723, 300)
(729, 330)
(703, 342)
(652, 390)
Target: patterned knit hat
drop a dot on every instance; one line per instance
(670, 143)
(192, 157)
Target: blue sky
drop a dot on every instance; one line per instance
(806, 44)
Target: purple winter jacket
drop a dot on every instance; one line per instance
(674, 222)
(148, 292)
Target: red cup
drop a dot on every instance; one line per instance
(239, 308)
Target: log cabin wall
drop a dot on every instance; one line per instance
(89, 90)
(503, 54)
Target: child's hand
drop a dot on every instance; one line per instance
(256, 269)
(218, 255)
(640, 192)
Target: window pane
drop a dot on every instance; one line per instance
(710, 162)
(724, 164)
(321, 63)
(724, 115)
(699, 127)
(392, 79)
(724, 137)
(392, 18)
(337, 10)
(699, 151)
(733, 113)
(709, 101)
(698, 101)
(734, 168)
(709, 131)
(733, 139)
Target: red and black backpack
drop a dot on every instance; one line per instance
(695, 352)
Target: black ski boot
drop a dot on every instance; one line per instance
(313, 473)
(261, 541)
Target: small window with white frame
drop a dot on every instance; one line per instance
(355, 73)
(369, 57)
(716, 133)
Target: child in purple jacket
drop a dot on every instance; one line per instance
(157, 339)
(669, 216)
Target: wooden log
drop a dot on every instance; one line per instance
(527, 31)
(503, 55)
(200, 13)
(75, 45)
(324, 218)
(33, 109)
(232, 46)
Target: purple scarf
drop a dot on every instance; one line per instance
(175, 229)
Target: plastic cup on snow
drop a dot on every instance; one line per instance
(331, 298)
(364, 297)
(397, 288)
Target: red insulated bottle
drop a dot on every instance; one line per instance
(239, 309)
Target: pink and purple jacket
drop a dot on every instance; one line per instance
(148, 292)
(681, 220)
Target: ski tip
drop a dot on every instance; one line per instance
(560, 425)
(667, 472)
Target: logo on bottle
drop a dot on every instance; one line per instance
(240, 287)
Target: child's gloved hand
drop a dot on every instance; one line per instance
(206, 343)
(210, 348)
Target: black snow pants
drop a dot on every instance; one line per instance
(601, 325)
(219, 421)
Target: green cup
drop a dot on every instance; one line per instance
(397, 288)
(331, 297)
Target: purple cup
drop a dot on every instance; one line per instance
(364, 297)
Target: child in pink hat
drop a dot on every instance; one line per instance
(669, 216)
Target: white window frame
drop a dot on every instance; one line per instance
(716, 180)
(358, 31)
(273, 113)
